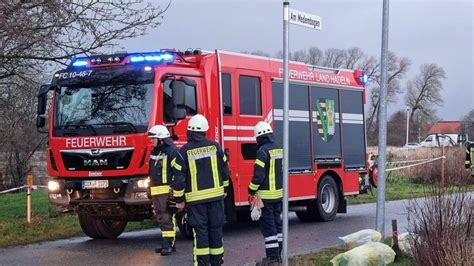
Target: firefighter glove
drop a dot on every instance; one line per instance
(256, 213)
(256, 206)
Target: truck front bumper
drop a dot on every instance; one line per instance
(119, 191)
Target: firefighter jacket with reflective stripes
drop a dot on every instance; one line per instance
(202, 173)
(470, 157)
(267, 180)
(161, 171)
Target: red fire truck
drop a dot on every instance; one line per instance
(103, 105)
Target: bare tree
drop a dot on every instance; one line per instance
(352, 56)
(20, 139)
(299, 56)
(315, 56)
(333, 58)
(423, 92)
(54, 31)
(371, 67)
(396, 121)
(39, 35)
(397, 68)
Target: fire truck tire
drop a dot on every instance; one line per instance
(327, 201)
(110, 229)
(324, 207)
(184, 228)
(88, 226)
(99, 228)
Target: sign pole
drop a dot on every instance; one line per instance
(380, 212)
(310, 21)
(286, 37)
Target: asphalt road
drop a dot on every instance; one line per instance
(243, 244)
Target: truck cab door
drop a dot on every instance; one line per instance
(166, 107)
(251, 107)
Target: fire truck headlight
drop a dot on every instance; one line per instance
(143, 183)
(53, 186)
(147, 68)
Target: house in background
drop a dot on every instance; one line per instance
(445, 133)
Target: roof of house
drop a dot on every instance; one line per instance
(446, 127)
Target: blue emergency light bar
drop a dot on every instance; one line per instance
(157, 57)
(363, 78)
(80, 62)
(153, 57)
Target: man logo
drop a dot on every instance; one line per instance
(326, 119)
(95, 162)
(95, 151)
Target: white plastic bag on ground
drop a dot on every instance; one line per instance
(370, 254)
(361, 237)
(404, 243)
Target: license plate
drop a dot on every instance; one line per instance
(88, 184)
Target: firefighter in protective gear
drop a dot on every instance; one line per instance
(267, 184)
(161, 175)
(470, 157)
(202, 177)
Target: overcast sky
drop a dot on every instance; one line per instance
(426, 31)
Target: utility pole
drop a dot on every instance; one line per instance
(380, 212)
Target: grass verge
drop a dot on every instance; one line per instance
(14, 230)
(397, 188)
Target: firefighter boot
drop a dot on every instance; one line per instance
(167, 251)
(160, 250)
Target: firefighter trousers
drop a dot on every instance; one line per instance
(271, 228)
(207, 220)
(165, 219)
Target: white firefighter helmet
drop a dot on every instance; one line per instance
(262, 128)
(198, 123)
(159, 132)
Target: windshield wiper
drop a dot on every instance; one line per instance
(130, 125)
(76, 126)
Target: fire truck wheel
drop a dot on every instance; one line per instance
(88, 226)
(110, 229)
(327, 202)
(183, 225)
(324, 207)
(98, 228)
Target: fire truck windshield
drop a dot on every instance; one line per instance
(102, 110)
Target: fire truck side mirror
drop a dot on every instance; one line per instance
(178, 90)
(40, 121)
(178, 93)
(42, 99)
(179, 113)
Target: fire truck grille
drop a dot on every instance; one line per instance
(87, 161)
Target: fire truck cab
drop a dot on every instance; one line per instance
(103, 105)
